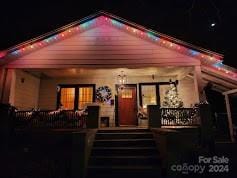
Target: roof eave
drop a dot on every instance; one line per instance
(170, 38)
(100, 13)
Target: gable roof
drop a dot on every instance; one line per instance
(210, 61)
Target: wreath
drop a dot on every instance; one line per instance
(103, 94)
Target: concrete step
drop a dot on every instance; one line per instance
(124, 151)
(125, 160)
(124, 135)
(122, 130)
(124, 142)
(123, 171)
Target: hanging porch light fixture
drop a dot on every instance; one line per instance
(122, 78)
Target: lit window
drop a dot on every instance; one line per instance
(85, 96)
(75, 96)
(67, 98)
(148, 95)
(127, 93)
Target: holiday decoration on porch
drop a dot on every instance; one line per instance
(103, 94)
(51, 119)
(171, 99)
(173, 112)
(180, 116)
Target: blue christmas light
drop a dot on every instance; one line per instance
(193, 52)
(51, 38)
(116, 23)
(85, 25)
(153, 37)
(113, 21)
(218, 64)
(47, 40)
(91, 22)
(149, 34)
(157, 38)
(15, 52)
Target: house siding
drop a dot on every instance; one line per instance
(24, 95)
(103, 46)
(186, 91)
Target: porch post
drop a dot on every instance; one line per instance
(227, 102)
(199, 85)
(92, 120)
(2, 80)
(6, 85)
(154, 116)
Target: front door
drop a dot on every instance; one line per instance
(127, 106)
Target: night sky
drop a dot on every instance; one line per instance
(188, 20)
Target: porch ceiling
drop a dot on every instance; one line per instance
(179, 72)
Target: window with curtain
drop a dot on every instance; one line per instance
(76, 96)
(85, 96)
(67, 98)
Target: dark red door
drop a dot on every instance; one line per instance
(127, 106)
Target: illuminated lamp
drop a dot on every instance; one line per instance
(122, 78)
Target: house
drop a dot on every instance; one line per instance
(110, 61)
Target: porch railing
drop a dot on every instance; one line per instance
(50, 119)
(180, 116)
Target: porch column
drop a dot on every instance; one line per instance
(227, 102)
(2, 79)
(6, 81)
(199, 85)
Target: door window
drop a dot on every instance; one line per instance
(148, 95)
(127, 93)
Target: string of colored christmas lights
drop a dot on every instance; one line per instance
(214, 62)
(211, 61)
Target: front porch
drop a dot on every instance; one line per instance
(43, 93)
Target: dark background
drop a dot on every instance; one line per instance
(188, 20)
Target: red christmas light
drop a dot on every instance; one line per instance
(2, 54)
